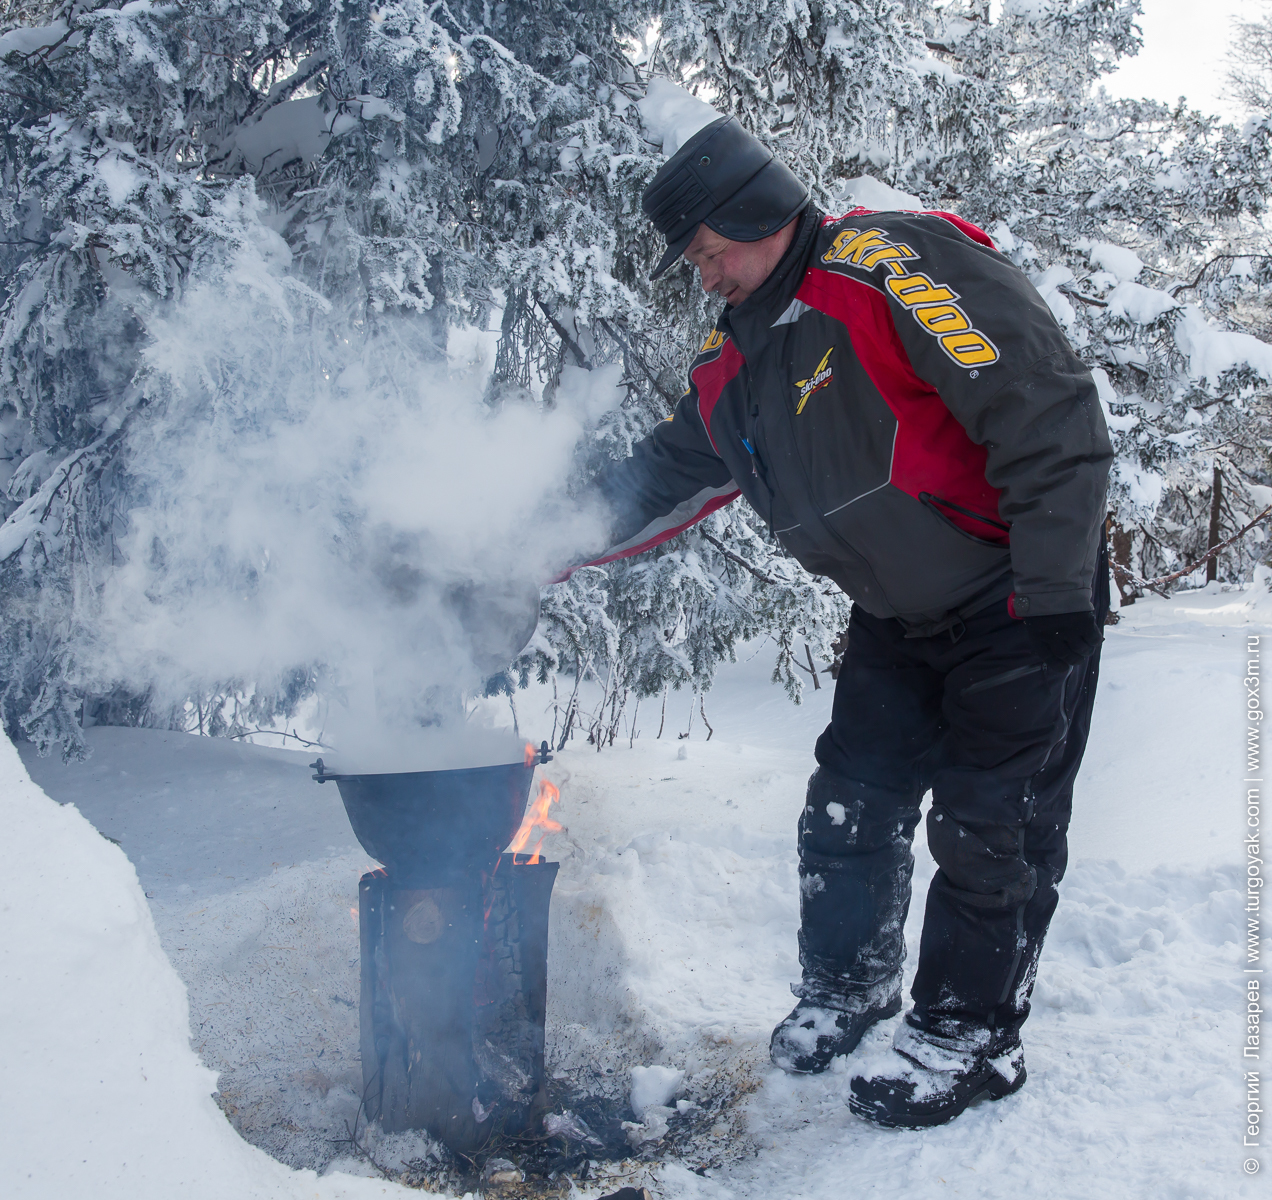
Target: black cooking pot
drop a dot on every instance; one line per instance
(430, 826)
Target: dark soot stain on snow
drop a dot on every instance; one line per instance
(706, 1137)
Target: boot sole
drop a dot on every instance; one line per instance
(888, 1010)
(995, 1087)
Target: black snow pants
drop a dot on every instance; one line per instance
(998, 736)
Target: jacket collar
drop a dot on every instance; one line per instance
(772, 297)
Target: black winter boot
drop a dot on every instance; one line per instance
(927, 1079)
(814, 1035)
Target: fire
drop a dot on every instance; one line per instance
(537, 818)
(531, 754)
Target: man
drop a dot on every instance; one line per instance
(895, 399)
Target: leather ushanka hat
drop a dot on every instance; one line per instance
(725, 178)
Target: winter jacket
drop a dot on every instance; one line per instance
(899, 404)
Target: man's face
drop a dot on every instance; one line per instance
(735, 269)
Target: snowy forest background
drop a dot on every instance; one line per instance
(249, 244)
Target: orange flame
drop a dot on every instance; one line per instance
(537, 818)
(531, 754)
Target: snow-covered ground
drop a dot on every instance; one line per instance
(673, 942)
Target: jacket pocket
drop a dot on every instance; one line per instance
(942, 508)
(1003, 677)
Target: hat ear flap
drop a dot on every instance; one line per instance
(769, 201)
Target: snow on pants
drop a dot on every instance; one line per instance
(998, 737)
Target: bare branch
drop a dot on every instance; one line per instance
(1092, 300)
(563, 334)
(282, 733)
(719, 545)
(1218, 258)
(1157, 585)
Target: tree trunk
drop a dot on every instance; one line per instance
(812, 669)
(1212, 540)
(1120, 560)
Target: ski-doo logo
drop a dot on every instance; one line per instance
(714, 342)
(815, 382)
(932, 304)
(866, 249)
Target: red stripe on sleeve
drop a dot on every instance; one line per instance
(710, 379)
(667, 534)
(973, 231)
(716, 502)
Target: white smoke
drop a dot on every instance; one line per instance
(313, 495)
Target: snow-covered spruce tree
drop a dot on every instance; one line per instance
(1250, 61)
(145, 148)
(1141, 224)
(425, 166)
(96, 233)
(839, 87)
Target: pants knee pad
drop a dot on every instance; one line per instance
(843, 816)
(983, 868)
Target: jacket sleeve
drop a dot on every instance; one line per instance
(977, 330)
(673, 479)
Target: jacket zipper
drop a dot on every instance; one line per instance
(752, 442)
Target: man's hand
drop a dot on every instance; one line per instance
(1065, 638)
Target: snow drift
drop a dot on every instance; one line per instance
(104, 1096)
